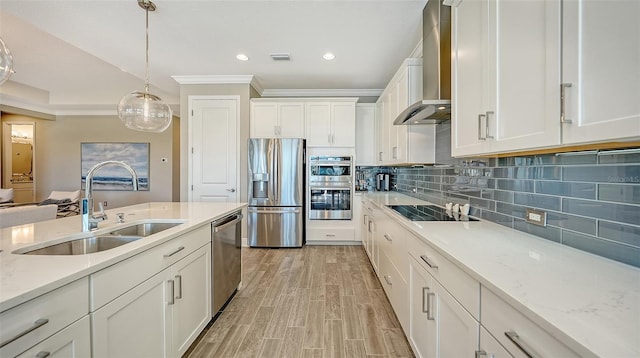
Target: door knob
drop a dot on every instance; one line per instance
(232, 190)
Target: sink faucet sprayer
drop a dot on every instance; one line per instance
(89, 219)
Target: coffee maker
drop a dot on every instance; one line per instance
(382, 182)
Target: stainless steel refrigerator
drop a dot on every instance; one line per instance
(276, 192)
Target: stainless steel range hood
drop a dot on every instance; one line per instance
(435, 106)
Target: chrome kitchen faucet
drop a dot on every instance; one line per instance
(89, 219)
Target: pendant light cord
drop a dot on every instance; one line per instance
(146, 74)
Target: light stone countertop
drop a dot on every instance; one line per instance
(23, 277)
(586, 301)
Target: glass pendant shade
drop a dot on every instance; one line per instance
(6, 62)
(143, 111)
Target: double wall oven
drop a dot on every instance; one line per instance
(330, 187)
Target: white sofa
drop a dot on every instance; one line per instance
(18, 215)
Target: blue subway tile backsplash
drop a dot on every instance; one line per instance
(592, 199)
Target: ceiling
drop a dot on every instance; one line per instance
(87, 54)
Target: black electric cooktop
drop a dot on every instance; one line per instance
(427, 213)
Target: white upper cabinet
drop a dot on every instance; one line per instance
(331, 123)
(506, 74)
(365, 134)
(276, 119)
(522, 68)
(601, 64)
(403, 144)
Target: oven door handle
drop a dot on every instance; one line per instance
(256, 211)
(345, 188)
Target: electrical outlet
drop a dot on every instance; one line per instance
(536, 217)
(104, 203)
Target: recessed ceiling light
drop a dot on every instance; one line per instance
(328, 56)
(242, 57)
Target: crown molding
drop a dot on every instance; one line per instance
(219, 80)
(321, 92)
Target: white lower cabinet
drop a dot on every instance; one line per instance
(396, 289)
(440, 326)
(192, 289)
(520, 336)
(490, 347)
(135, 324)
(33, 322)
(161, 316)
(72, 342)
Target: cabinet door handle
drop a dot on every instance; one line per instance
(369, 226)
(329, 138)
(563, 103)
(480, 353)
(388, 238)
(394, 152)
(388, 279)
(524, 347)
(365, 219)
(488, 117)
(380, 156)
(428, 261)
(424, 308)
(174, 252)
(43, 354)
(173, 292)
(429, 311)
(37, 324)
(480, 116)
(179, 283)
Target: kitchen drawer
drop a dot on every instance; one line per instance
(396, 289)
(331, 234)
(461, 286)
(35, 320)
(499, 318)
(115, 280)
(73, 341)
(490, 347)
(393, 244)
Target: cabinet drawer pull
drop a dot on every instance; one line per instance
(37, 324)
(429, 312)
(515, 339)
(174, 252)
(43, 355)
(480, 353)
(388, 279)
(173, 292)
(563, 99)
(330, 235)
(429, 262)
(388, 238)
(178, 279)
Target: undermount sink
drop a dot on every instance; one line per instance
(84, 246)
(144, 229)
(101, 242)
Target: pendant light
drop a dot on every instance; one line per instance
(6, 62)
(142, 110)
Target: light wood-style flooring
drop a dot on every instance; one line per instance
(317, 301)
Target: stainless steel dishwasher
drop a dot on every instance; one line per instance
(226, 259)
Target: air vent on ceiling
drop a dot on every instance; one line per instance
(281, 56)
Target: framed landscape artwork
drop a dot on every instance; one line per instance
(113, 177)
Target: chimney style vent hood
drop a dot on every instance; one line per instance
(435, 106)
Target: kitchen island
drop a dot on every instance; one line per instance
(511, 290)
(94, 282)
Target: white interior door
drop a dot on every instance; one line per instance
(213, 135)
